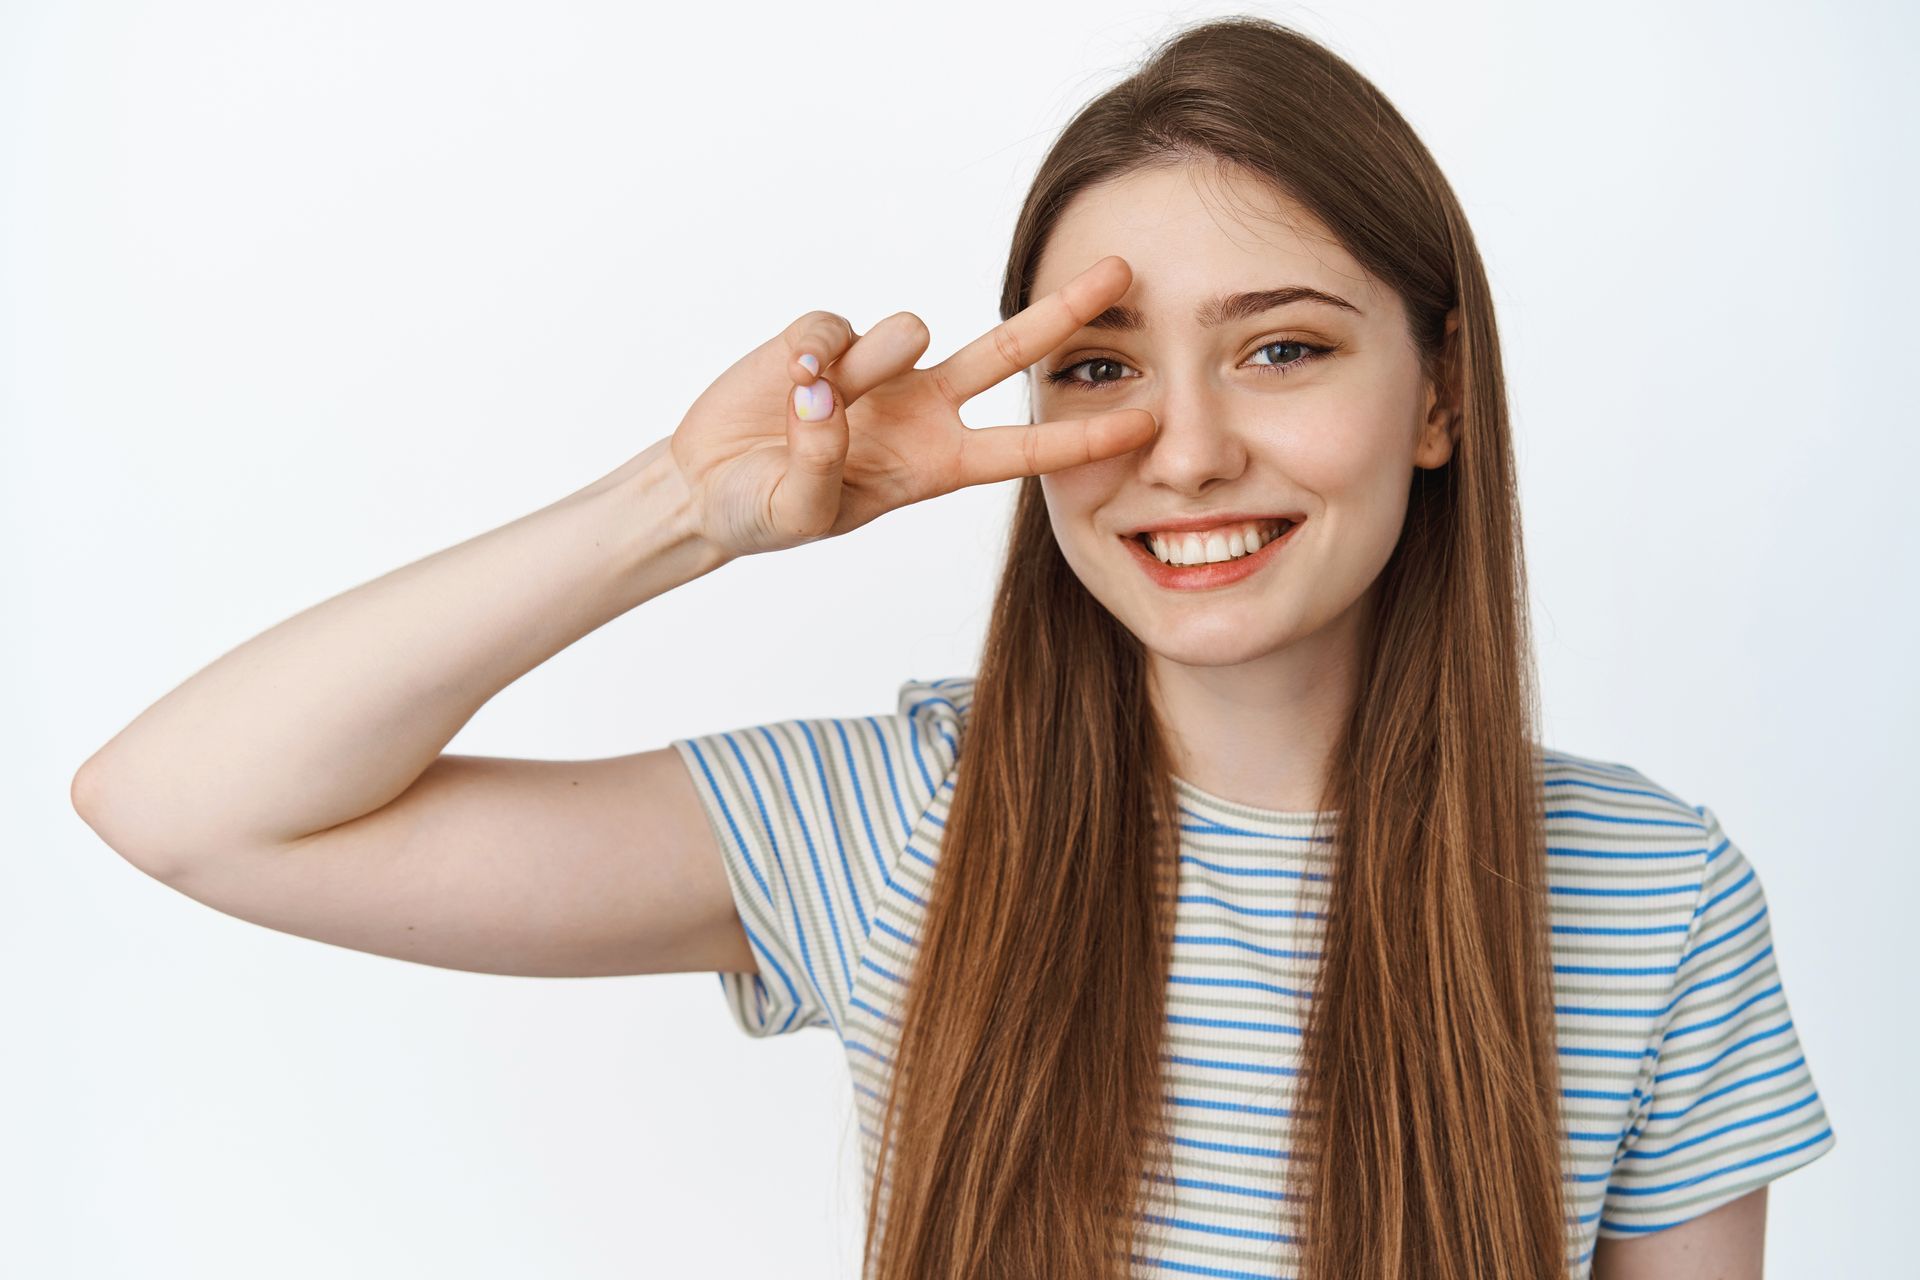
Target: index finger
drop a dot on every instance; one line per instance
(1014, 344)
(991, 454)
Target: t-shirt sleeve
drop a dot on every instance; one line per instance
(1729, 1102)
(812, 817)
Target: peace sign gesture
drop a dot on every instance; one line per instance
(885, 434)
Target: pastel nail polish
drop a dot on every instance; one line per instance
(812, 362)
(813, 401)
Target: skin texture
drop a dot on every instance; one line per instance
(1728, 1243)
(1253, 680)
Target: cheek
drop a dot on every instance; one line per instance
(1352, 448)
(1075, 497)
(1066, 510)
(1073, 493)
(1358, 463)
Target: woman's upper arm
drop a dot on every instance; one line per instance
(536, 868)
(1727, 1243)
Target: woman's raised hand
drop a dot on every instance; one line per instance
(764, 477)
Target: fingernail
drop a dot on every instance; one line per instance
(813, 401)
(811, 361)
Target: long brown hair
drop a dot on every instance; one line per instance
(1025, 1106)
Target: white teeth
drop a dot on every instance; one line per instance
(1218, 545)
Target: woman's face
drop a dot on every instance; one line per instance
(1310, 408)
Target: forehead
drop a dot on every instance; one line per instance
(1195, 229)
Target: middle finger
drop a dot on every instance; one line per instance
(883, 352)
(1015, 344)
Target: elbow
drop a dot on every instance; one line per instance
(83, 791)
(87, 793)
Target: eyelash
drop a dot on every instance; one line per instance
(1064, 374)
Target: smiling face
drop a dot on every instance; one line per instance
(1310, 407)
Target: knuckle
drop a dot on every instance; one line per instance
(1009, 347)
(944, 386)
(815, 323)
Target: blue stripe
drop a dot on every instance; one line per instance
(1238, 908)
(1663, 891)
(813, 858)
(746, 855)
(1190, 1269)
(1180, 979)
(1637, 1154)
(1283, 873)
(1223, 1064)
(1720, 978)
(1691, 822)
(1233, 1024)
(1711, 1174)
(1730, 1087)
(893, 783)
(1207, 940)
(1208, 1228)
(1243, 1108)
(1709, 1023)
(1640, 855)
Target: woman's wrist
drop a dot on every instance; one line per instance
(651, 526)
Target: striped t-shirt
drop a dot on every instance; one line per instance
(1683, 1081)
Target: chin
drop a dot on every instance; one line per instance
(1213, 642)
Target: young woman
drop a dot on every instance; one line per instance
(1230, 919)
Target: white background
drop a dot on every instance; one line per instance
(293, 295)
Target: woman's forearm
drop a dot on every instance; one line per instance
(339, 709)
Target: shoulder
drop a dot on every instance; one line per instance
(1620, 843)
(1609, 795)
(1663, 934)
(918, 745)
(900, 759)
(937, 708)
(813, 816)
(1628, 857)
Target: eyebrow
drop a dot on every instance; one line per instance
(1224, 308)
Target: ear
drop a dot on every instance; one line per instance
(1440, 430)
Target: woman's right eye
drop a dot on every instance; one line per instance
(1065, 372)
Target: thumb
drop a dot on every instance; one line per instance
(807, 499)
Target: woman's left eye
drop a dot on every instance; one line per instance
(1309, 353)
(1312, 353)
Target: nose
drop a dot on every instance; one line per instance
(1198, 446)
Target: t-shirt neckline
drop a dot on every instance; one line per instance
(1216, 806)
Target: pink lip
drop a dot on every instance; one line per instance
(1205, 577)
